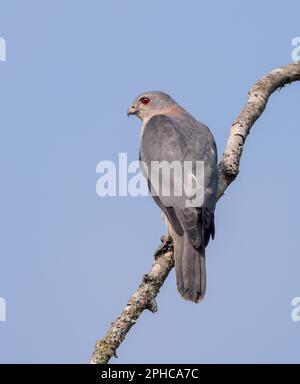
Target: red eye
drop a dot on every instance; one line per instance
(145, 100)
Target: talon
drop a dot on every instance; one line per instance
(166, 239)
(164, 247)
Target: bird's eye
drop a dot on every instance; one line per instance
(145, 100)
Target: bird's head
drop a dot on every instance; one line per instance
(149, 104)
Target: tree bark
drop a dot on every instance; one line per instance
(145, 296)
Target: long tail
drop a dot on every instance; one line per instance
(190, 269)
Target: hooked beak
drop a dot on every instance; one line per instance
(131, 110)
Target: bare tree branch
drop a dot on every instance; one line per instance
(145, 296)
(257, 100)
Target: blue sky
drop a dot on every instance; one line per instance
(70, 259)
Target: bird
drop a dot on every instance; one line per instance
(169, 135)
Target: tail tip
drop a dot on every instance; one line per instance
(189, 295)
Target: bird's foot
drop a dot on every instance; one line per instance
(166, 245)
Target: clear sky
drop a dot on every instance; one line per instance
(70, 259)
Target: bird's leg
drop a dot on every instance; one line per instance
(166, 245)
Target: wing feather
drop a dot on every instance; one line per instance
(182, 138)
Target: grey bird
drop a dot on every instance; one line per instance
(170, 134)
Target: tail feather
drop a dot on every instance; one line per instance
(190, 269)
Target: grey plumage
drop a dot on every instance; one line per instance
(171, 134)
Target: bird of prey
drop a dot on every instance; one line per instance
(171, 135)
